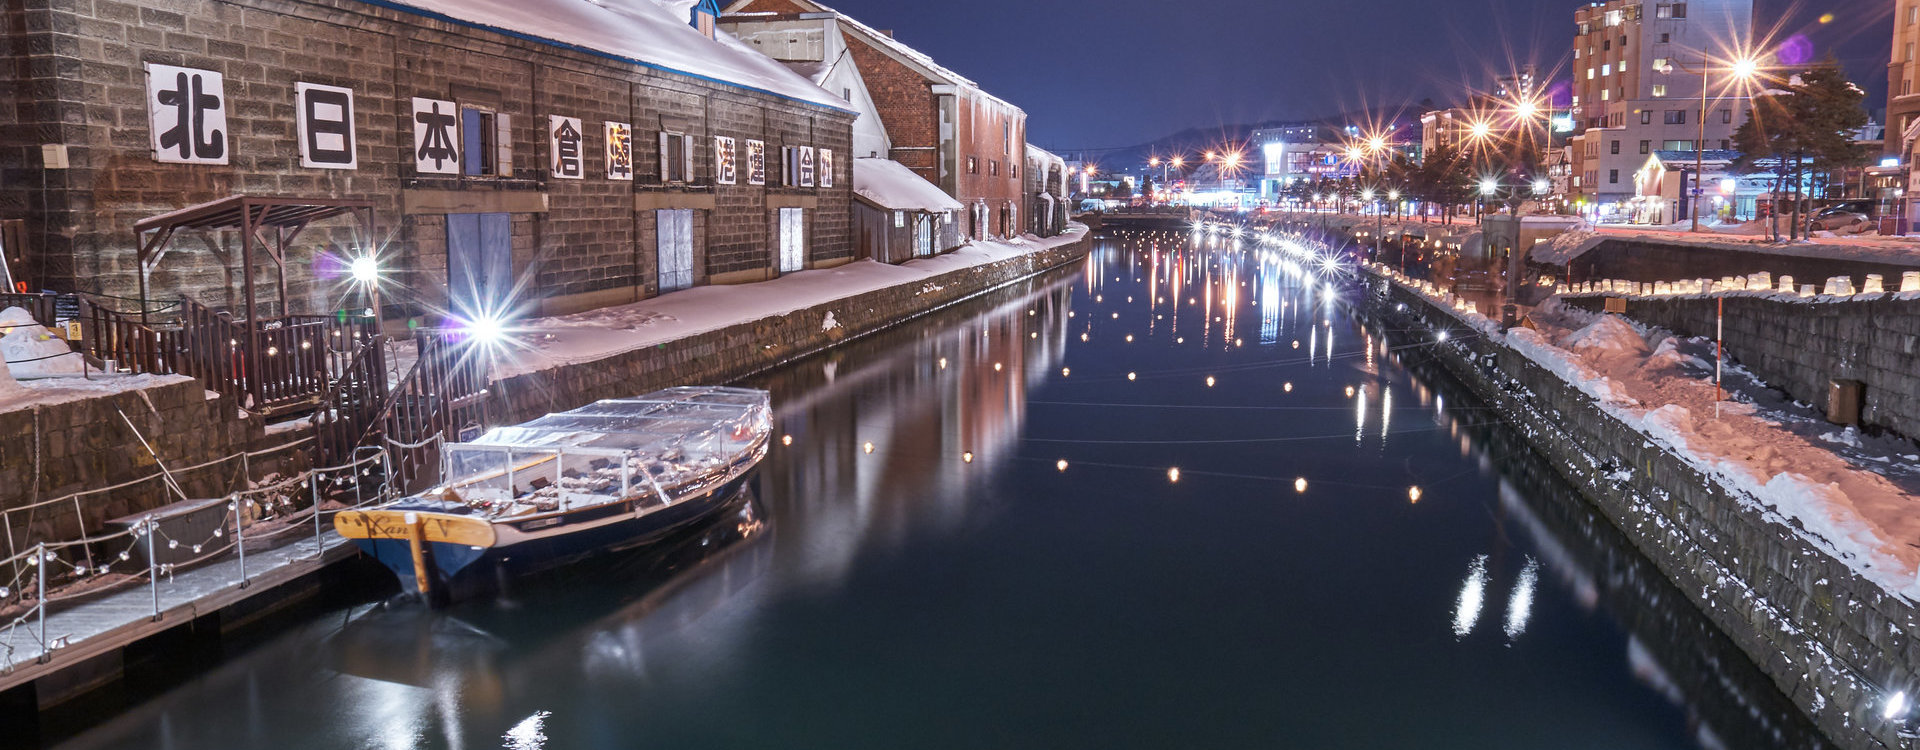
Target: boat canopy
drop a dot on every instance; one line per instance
(613, 448)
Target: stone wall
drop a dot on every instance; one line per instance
(76, 74)
(1835, 643)
(52, 450)
(1647, 261)
(743, 349)
(1799, 345)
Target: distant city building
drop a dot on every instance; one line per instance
(1517, 86)
(1637, 77)
(1903, 121)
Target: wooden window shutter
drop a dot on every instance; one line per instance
(503, 145)
(666, 163)
(686, 158)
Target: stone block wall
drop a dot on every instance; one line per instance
(1799, 346)
(740, 350)
(1835, 643)
(1640, 260)
(52, 450)
(76, 74)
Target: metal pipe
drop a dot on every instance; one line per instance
(40, 603)
(153, 568)
(239, 535)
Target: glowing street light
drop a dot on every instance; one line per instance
(1488, 187)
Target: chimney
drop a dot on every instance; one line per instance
(888, 33)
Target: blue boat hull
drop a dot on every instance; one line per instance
(457, 571)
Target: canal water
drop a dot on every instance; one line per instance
(1181, 497)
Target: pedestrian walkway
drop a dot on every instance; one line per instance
(103, 625)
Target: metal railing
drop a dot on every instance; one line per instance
(46, 578)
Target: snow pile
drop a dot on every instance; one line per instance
(891, 185)
(1563, 248)
(32, 351)
(1568, 366)
(1666, 392)
(640, 31)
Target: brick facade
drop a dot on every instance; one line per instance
(74, 79)
(942, 126)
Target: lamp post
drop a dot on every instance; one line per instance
(1741, 70)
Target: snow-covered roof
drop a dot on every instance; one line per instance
(888, 45)
(642, 32)
(891, 185)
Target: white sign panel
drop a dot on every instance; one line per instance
(756, 163)
(806, 166)
(725, 160)
(187, 115)
(826, 167)
(619, 151)
(569, 147)
(436, 136)
(325, 125)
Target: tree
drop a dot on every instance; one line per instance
(1801, 129)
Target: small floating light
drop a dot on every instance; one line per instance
(786, 440)
(943, 363)
(1131, 376)
(868, 447)
(1060, 464)
(1349, 391)
(1300, 485)
(1066, 371)
(1209, 381)
(1288, 387)
(1173, 474)
(996, 367)
(1296, 344)
(1413, 493)
(1129, 338)
(967, 456)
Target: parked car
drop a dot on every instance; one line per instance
(1839, 219)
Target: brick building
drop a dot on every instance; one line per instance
(938, 123)
(583, 155)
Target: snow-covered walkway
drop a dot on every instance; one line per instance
(546, 343)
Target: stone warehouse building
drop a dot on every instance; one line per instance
(553, 155)
(938, 123)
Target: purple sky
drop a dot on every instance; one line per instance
(1120, 72)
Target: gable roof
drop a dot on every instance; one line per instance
(914, 59)
(640, 32)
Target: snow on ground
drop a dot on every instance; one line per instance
(547, 343)
(1757, 442)
(45, 391)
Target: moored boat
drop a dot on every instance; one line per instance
(605, 477)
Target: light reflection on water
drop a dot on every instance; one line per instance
(973, 538)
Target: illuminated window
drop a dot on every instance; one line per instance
(1659, 90)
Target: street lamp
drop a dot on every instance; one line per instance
(1741, 70)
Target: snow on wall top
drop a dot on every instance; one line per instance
(644, 32)
(891, 185)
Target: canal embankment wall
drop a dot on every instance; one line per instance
(1837, 644)
(74, 458)
(749, 347)
(1802, 344)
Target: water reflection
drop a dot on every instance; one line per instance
(1005, 524)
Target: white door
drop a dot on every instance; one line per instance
(923, 235)
(793, 239)
(676, 249)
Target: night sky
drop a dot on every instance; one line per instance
(1123, 72)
